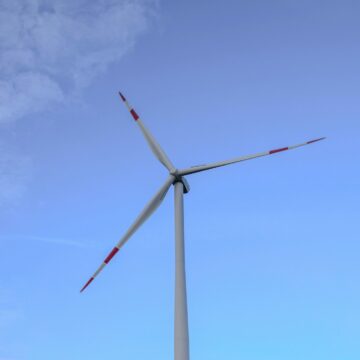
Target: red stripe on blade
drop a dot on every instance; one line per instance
(87, 284)
(111, 255)
(134, 114)
(278, 150)
(122, 96)
(312, 141)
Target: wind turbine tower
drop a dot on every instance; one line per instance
(176, 178)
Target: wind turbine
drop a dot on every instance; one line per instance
(176, 177)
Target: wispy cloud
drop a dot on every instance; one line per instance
(15, 173)
(49, 240)
(10, 315)
(50, 49)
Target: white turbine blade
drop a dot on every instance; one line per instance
(154, 145)
(195, 169)
(144, 215)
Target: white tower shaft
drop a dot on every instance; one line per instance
(181, 332)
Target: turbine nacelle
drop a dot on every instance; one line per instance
(183, 180)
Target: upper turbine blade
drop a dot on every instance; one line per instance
(154, 145)
(144, 215)
(195, 169)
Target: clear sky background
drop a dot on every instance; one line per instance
(272, 244)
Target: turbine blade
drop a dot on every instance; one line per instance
(195, 169)
(154, 145)
(144, 215)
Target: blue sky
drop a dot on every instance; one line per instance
(271, 244)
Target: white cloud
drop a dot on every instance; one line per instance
(50, 49)
(15, 173)
(27, 92)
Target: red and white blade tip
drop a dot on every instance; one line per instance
(315, 140)
(122, 96)
(274, 151)
(132, 111)
(105, 262)
(87, 284)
